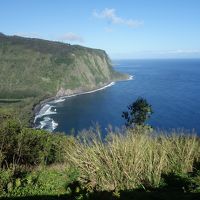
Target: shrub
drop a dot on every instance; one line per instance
(40, 181)
(25, 146)
(131, 160)
(5, 180)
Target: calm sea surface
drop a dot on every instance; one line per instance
(172, 87)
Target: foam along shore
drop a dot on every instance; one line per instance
(130, 77)
(48, 108)
(88, 92)
(63, 98)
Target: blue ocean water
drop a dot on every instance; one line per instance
(172, 87)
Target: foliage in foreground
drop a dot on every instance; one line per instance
(52, 180)
(35, 162)
(29, 147)
(133, 159)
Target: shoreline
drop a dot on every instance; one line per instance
(55, 99)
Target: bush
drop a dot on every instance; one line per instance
(25, 146)
(40, 181)
(5, 180)
(135, 159)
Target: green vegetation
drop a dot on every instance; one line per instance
(138, 112)
(33, 69)
(131, 163)
(134, 159)
(128, 163)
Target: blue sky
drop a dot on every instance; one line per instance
(124, 28)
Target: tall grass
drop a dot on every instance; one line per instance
(137, 158)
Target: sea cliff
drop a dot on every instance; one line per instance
(32, 67)
(32, 70)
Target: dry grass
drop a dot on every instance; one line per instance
(136, 158)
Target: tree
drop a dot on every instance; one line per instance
(138, 112)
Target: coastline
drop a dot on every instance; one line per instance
(37, 108)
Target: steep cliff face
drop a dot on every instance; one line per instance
(90, 70)
(34, 67)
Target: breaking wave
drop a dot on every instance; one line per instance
(130, 77)
(47, 109)
(44, 121)
(48, 124)
(61, 99)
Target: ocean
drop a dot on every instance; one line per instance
(171, 86)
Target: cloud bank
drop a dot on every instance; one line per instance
(181, 51)
(110, 15)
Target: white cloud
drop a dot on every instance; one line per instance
(110, 15)
(71, 37)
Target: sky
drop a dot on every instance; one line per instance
(123, 28)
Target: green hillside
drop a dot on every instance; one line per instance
(35, 69)
(32, 67)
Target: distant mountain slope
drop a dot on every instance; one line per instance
(34, 67)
